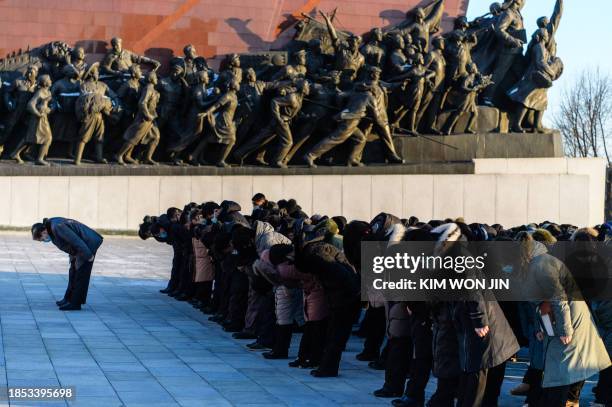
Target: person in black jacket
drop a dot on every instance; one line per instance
(81, 243)
(342, 289)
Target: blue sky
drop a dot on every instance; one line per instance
(584, 37)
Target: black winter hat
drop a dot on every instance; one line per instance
(280, 253)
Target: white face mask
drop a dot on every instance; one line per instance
(46, 239)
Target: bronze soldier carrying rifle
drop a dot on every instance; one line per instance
(144, 129)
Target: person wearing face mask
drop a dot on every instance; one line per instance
(81, 243)
(164, 230)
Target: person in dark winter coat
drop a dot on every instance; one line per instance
(398, 318)
(445, 347)
(420, 334)
(163, 230)
(230, 215)
(486, 340)
(342, 288)
(81, 243)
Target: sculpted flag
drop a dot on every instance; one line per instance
(310, 28)
(433, 15)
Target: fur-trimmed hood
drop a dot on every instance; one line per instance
(396, 233)
(446, 235)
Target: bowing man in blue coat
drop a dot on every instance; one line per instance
(81, 243)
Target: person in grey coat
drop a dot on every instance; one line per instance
(602, 312)
(81, 243)
(573, 348)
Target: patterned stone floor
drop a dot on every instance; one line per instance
(132, 346)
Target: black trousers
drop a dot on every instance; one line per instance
(203, 291)
(398, 363)
(78, 282)
(445, 394)
(313, 341)
(282, 339)
(422, 358)
(186, 275)
(481, 388)
(558, 396)
(265, 320)
(338, 333)
(238, 297)
(375, 326)
(174, 272)
(223, 292)
(603, 392)
(533, 377)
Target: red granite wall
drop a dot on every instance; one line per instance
(160, 28)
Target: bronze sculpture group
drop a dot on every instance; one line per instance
(325, 89)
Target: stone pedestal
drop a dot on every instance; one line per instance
(465, 147)
(506, 191)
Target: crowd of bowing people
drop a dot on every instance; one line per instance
(273, 273)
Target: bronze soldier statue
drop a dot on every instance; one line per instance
(294, 71)
(469, 86)
(232, 70)
(201, 98)
(77, 59)
(374, 50)
(316, 61)
(251, 107)
(221, 122)
(143, 129)
(349, 60)
(39, 130)
(16, 99)
(357, 106)
(424, 26)
(118, 60)
(551, 25)
(397, 62)
(96, 101)
(317, 112)
(531, 91)
(380, 122)
(188, 63)
(412, 95)
(430, 104)
(65, 92)
(284, 109)
(129, 95)
(510, 33)
(173, 91)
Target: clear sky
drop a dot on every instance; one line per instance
(584, 37)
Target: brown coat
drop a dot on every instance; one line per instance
(204, 268)
(315, 302)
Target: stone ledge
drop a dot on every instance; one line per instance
(64, 169)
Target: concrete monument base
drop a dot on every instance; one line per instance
(506, 191)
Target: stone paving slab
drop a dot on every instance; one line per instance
(131, 346)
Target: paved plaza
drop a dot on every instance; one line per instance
(132, 346)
